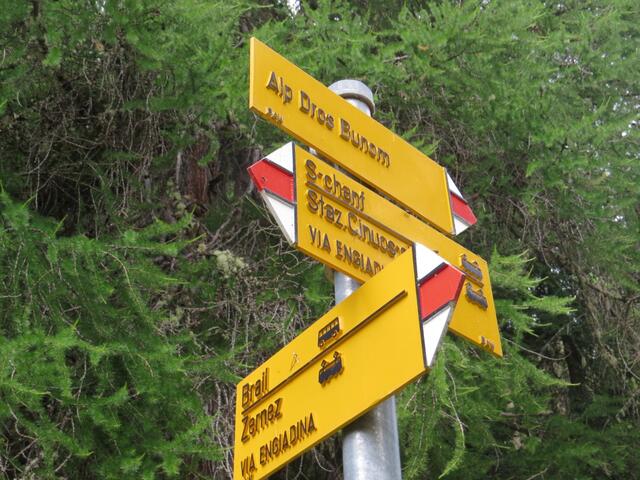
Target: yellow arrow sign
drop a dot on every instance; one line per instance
(333, 218)
(325, 224)
(360, 352)
(295, 102)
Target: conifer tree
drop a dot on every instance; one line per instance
(140, 278)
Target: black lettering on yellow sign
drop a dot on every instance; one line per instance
(486, 343)
(275, 116)
(360, 142)
(287, 439)
(252, 392)
(248, 467)
(370, 235)
(477, 297)
(357, 259)
(319, 239)
(328, 370)
(353, 224)
(329, 332)
(260, 421)
(317, 204)
(471, 269)
(331, 185)
(283, 90)
(307, 106)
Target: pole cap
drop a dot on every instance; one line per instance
(350, 88)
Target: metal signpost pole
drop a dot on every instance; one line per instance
(370, 448)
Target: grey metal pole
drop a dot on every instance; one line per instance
(370, 446)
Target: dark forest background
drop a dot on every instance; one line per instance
(141, 278)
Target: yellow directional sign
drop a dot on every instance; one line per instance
(295, 102)
(345, 225)
(417, 281)
(356, 355)
(326, 226)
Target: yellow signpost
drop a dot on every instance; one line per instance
(356, 355)
(295, 102)
(417, 281)
(352, 229)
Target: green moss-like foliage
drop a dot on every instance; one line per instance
(91, 385)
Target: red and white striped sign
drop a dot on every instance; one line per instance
(439, 285)
(273, 177)
(463, 217)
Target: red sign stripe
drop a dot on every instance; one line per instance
(439, 289)
(461, 209)
(270, 177)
